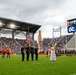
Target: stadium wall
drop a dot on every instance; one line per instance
(71, 45)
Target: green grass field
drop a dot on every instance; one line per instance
(64, 65)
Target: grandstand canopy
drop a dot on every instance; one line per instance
(18, 25)
(71, 19)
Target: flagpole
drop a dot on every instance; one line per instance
(28, 29)
(66, 41)
(27, 36)
(28, 33)
(60, 31)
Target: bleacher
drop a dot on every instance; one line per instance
(62, 41)
(14, 45)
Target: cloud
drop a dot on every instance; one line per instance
(48, 14)
(27, 8)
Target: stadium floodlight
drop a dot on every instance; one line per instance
(1, 24)
(12, 26)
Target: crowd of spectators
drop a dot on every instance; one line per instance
(62, 41)
(66, 52)
(13, 44)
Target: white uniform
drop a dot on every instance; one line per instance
(53, 55)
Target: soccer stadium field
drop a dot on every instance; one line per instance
(64, 65)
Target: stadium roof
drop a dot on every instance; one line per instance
(71, 19)
(19, 25)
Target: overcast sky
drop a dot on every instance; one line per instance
(47, 13)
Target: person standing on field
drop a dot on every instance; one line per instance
(3, 52)
(8, 52)
(53, 54)
(29, 50)
(22, 52)
(36, 52)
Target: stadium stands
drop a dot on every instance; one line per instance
(15, 45)
(61, 48)
(61, 43)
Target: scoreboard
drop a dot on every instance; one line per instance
(71, 25)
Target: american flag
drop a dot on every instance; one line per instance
(28, 38)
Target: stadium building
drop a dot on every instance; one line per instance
(14, 27)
